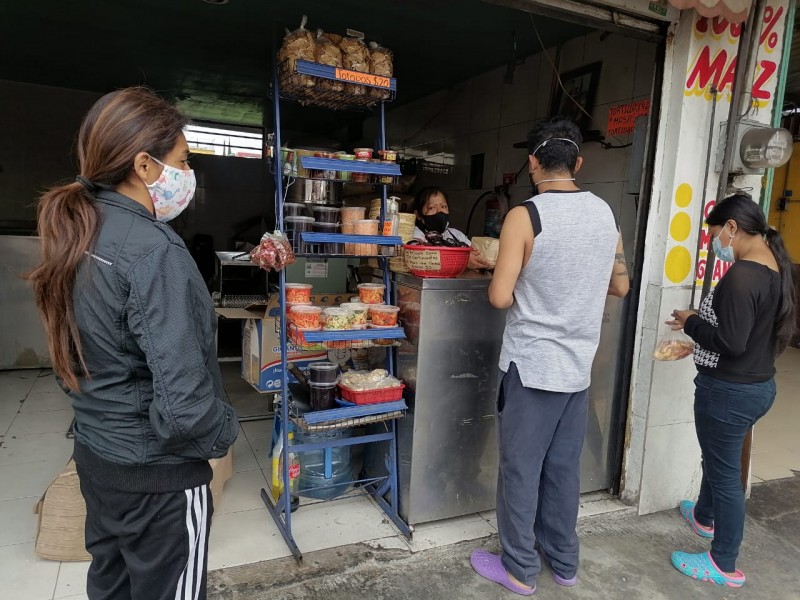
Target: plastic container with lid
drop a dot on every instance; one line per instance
(306, 317)
(323, 396)
(298, 293)
(323, 372)
(360, 312)
(323, 173)
(366, 227)
(325, 214)
(290, 306)
(384, 315)
(294, 227)
(326, 247)
(363, 153)
(351, 214)
(386, 179)
(344, 175)
(360, 177)
(337, 318)
(294, 209)
(371, 293)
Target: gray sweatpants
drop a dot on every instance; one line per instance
(540, 435)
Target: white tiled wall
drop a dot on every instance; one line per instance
(486, 115)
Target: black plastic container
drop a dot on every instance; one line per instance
(323, 396)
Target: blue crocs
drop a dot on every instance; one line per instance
(703, 568)
(687, 511)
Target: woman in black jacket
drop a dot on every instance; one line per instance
(131, 330)
(742, 326)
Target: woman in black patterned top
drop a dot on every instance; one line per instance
(742, 326)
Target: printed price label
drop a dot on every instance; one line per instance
(316, 269)
(365, 78)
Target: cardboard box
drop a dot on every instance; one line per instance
(60, 532)
(261, 349)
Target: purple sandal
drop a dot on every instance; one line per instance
(490, 566)
(563, 581)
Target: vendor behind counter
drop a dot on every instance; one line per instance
(433, 223)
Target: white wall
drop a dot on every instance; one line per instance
(485, 115)
(39, 126)
(662, 458)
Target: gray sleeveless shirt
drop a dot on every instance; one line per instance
(553, 327)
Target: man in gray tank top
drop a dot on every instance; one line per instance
(560, 255)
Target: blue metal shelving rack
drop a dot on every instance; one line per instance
(383, 490)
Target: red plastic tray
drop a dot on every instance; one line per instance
(372, 396)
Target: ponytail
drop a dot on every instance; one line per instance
(785, 323)
(118, 126)
(68, 224)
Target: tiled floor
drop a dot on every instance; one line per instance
(34, 416)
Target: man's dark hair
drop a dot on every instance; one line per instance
(558, 155)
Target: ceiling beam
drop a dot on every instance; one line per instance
(594, 16)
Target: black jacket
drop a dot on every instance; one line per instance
(153, 410)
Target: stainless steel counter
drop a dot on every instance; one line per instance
(449, 362)
(23, 343)
(447, 445)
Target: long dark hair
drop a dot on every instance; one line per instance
(118, 126)
(749, 218)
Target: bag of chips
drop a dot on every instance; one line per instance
(380, 63)
(328, 53)
(297, 45)
(355, 57)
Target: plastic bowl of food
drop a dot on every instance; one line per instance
(325, 214)
(363, 153)
(298, 293)
(388, 155)
(351, 214)
(306, 317)
(384, 315)
(290, 306)
(360, 312)
(371, 293)
(337, 318)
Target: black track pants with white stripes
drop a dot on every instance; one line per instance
(146, 546)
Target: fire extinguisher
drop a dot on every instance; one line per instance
(496, 209)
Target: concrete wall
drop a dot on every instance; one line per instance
(38, 149)
(486, 115)
(230, 192)
(662, 459)
(39, 126)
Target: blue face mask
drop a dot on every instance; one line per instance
(724, 254)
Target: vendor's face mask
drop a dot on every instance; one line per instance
(172, 191)
(437, 222)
